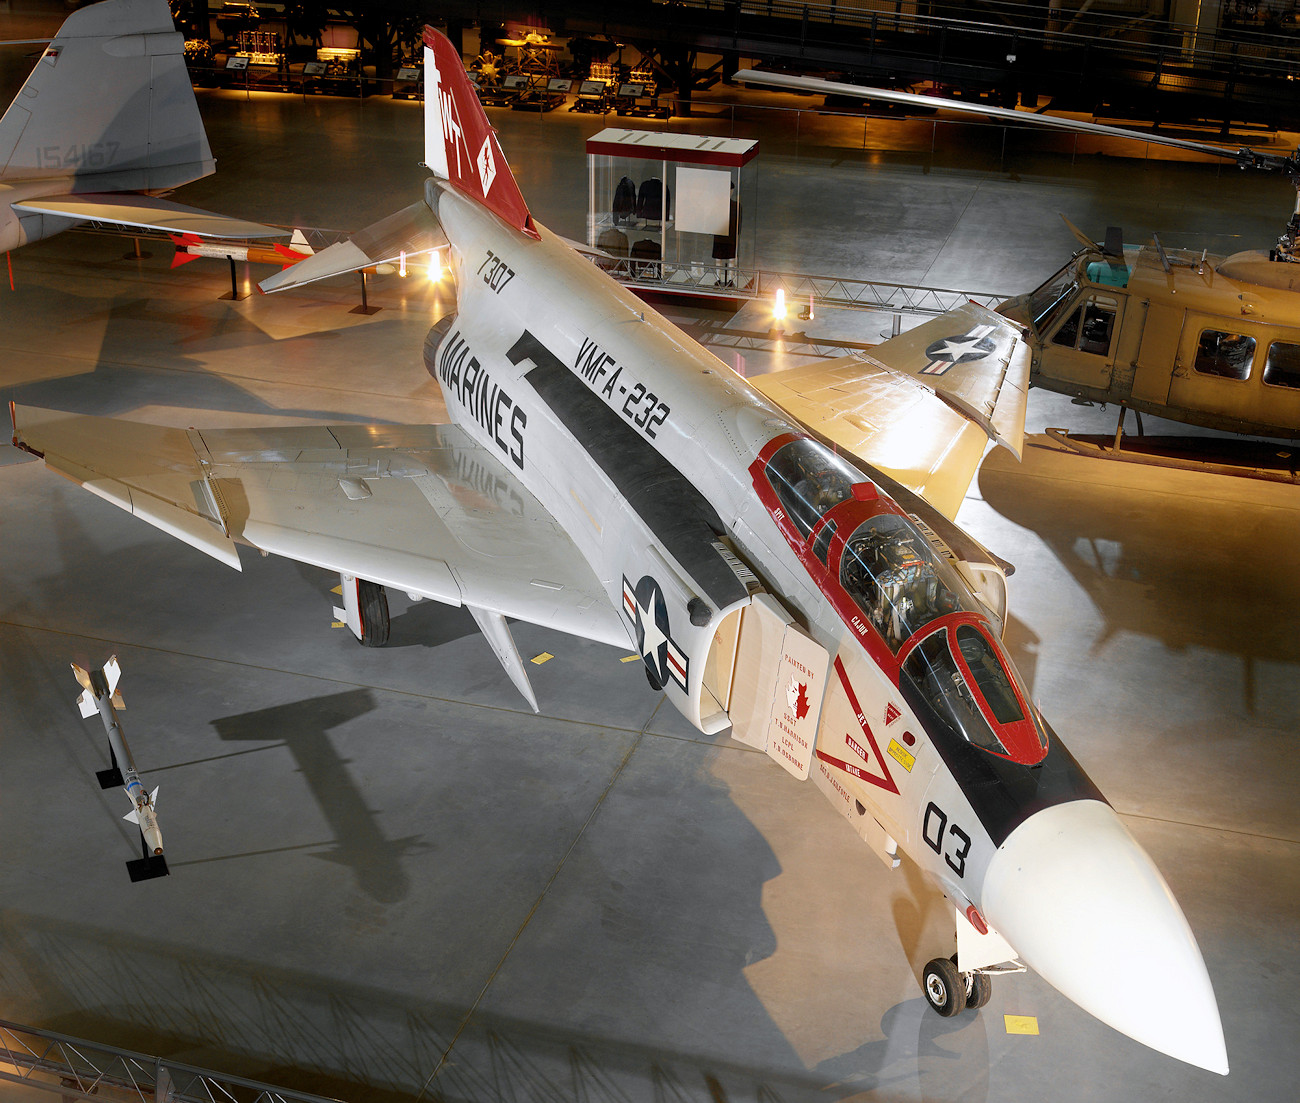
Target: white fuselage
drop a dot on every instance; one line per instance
(713, 426)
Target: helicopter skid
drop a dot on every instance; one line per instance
(1249, 459)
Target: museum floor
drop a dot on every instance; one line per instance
(391, 881)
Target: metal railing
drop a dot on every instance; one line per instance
(78, 1069)
(720, 280)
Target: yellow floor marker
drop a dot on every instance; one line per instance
(338, 590)
(544, 657)
(1021, 1024)
(629, 658)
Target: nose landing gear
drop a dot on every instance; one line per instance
(950, 991)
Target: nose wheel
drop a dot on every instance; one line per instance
(950, 991)
(944, 987)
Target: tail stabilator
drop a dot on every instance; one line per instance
(460, 149)
(460, 145)
(109, 104)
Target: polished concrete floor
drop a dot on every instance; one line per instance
(391, 881)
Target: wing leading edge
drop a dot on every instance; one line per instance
(923, 406)
(418, 508)
(147, 213)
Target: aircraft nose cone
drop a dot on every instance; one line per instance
(1086, 909)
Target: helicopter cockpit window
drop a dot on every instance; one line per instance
(1282, 368)
(934, 670)
(1054, 298)
(893, 575)
(1227, 355)
(809, 479)
(1089, 328)
(1068, 334)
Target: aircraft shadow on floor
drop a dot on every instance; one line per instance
(304, 728)
(1187, 572)
(181, 346)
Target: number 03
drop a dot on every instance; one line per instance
(933, 836)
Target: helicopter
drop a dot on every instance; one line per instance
(1207, 340)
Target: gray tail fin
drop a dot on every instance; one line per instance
(109, 104)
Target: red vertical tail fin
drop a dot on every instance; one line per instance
(460, 145)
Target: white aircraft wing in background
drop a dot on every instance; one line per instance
(144, 212)
(921, 407)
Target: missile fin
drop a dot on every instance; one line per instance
(86, 703)
(133, 816)
(83, 676)
(112, 673)
(117, 702)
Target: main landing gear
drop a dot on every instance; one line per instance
(375, 623)
(365, 610)
(950, 991)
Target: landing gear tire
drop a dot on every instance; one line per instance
(944, 987)
(372, 604)
(979, 988)
(980, 992)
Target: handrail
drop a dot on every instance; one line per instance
(92, 1071)
(723, 281)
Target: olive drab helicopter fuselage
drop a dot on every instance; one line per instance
(1188, 336)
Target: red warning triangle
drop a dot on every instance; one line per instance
(891, 713)
(877, 771)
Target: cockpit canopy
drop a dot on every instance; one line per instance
(909, 593)
(961, 671)
(895, 577)
(810, 480)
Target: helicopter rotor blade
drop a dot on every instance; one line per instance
(1086, 241)
(1245, 158)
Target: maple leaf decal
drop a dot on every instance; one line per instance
(801, 702)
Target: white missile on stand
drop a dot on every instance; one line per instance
(101, 696)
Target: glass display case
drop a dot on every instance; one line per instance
(677, 208)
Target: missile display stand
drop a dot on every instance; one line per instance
(100, 696)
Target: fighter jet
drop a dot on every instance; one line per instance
(781, 553)
(105, 122)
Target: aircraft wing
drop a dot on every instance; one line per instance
(147, 213)
(923, 406)
(413, 231)
(422, 509)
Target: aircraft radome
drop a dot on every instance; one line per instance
(105, 122)
(825, 608)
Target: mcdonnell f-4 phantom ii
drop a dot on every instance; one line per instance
(105, 122)
(784, 560)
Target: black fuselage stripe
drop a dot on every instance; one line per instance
(678, 515)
